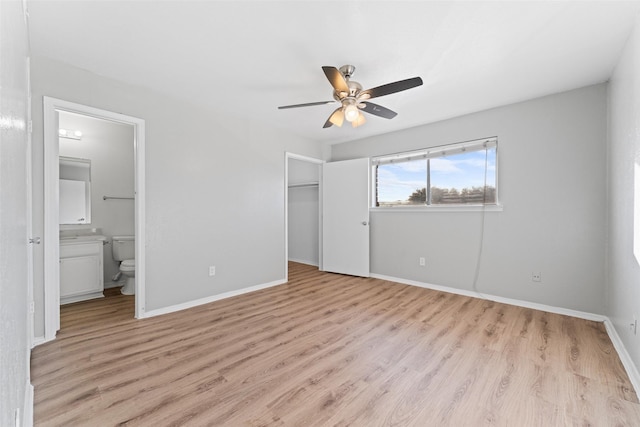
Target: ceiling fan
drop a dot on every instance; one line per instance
(353, 99)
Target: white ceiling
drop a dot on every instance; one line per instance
(248, 57)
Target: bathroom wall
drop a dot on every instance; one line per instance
(110, 147)
(303, 212)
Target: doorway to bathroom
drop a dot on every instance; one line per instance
(303, 222)
(104, 204)
(111, 145)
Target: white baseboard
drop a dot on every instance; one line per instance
(627, 362)
(27, 410)
(37, 341)
(510, 301)
(304, 261)
(207, 300)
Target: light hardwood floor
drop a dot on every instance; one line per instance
(326, 349)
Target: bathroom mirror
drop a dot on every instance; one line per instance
(75, 191)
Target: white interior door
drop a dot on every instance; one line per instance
(345, 217)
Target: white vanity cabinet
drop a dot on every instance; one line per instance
(81, 270)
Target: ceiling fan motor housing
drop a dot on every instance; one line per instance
(354, 89)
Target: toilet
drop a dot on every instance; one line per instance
(123, 249)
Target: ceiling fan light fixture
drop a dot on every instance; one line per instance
(351, 112)
(337, 118)
(360, 120)
(352, 98)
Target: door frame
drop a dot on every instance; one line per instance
(319, 163)
(33, 240)
(51, 205)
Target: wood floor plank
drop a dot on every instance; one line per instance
(325, 349)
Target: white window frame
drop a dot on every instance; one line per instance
(430, 153)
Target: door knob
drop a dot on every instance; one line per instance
(35, 240)
(364, 222)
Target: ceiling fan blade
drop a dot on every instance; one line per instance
(390, 88)
(308, 104)
(336, 118)
(336, 79)
(359, 121)
(378, 110)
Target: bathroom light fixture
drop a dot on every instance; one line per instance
(70, 134)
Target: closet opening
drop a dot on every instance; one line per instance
(303, 227)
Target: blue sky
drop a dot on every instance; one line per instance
(397, 181)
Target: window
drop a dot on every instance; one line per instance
(457, 174)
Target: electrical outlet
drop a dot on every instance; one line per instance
(536, 277)
(421, 261)
(212, 270)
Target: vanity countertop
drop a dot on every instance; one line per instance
(66, 240)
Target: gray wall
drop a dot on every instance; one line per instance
(623, 292)
(109, 146)
(214, 187)
(552, 184)
(15, 325)
(303, 214)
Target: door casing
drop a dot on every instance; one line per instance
(51, 238)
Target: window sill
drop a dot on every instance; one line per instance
(468, 208)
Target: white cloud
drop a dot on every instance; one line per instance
(445, 166)
(411, 167)
(394, 188)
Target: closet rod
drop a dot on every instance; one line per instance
(304, 184)
(121, 198)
